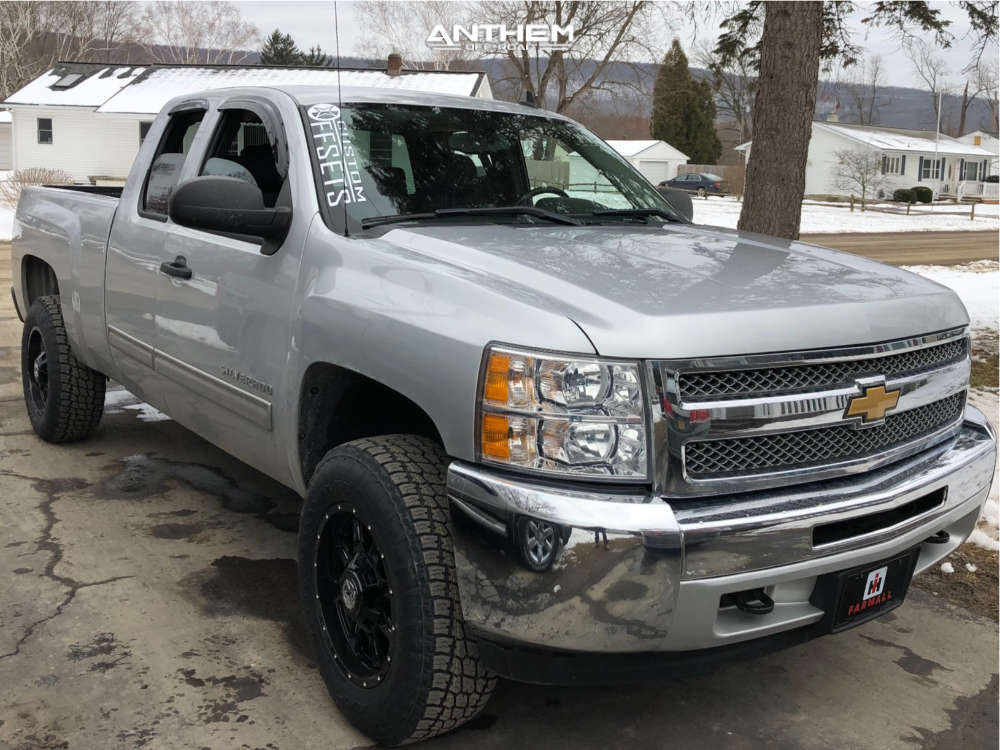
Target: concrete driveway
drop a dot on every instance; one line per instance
(148, 600)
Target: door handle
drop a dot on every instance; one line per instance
(178, 268)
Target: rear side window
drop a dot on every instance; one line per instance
(166, 166)
(243, 148)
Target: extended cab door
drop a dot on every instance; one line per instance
(222, 335)
(135, 248)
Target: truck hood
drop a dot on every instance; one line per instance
(688, 291)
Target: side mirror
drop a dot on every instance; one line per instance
(679, 200)
(229, 206)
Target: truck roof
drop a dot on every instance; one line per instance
(307, 95)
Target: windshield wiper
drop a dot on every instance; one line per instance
(374, 221)
(637, 212)
(539, 213)
(440, 213)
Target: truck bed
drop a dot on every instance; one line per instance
(108, 190)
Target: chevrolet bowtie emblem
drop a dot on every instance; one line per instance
(872, 404)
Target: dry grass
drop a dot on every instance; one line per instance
(975, 591)
(10, 189)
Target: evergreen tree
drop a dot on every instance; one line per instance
(280, 49)
(684, 110)
(317, 58)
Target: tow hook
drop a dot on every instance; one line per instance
(941, 537)
(754, 602)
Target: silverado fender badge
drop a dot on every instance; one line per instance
(872, 404)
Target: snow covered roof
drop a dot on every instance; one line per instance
(634, 148)
(898, 140)
(888, 139)
(152, 91)
(132, 90)
(99, 83)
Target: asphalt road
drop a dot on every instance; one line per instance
(148, 601)
(915, 248)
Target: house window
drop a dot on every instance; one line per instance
(970, 170)
(931, 169)
(144, 131)
(892, 165)
(45, 130)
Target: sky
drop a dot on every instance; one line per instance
(312, 22)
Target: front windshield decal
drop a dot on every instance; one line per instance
(335, 156)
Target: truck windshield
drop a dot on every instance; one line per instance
(379, 163)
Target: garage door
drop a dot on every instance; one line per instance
(5, 157)
(655, 171)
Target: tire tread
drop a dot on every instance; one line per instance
(414, 469)
(78, 391)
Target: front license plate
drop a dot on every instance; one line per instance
(868, 592)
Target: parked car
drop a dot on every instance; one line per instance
(702, 184)
(554, 438)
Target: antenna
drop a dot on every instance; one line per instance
(340, 101)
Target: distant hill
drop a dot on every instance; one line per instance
(899, 106)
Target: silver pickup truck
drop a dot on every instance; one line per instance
(545, 427)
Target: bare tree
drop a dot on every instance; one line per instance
(859, 171)
(986, 81)
(980, 83)
(734, 84)
(116, 25)
(18, 22)
(607, 38)
(931, 69)
(34, 35)
(864, 89)
(210, 32)
(403, 28)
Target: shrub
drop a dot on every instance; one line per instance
(924, 194)
(904, 196)
(10, 189)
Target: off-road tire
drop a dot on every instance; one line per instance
(75, 398)
(435, 681)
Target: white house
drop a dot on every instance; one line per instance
(990, 142)
(910, 158)
(655, 160)
(89, 118)
(5, 128)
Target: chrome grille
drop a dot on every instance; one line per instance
(806, 448)
(816, 377)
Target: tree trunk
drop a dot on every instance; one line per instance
(782, 118)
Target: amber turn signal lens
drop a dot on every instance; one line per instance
(497, 374)
(495, 432)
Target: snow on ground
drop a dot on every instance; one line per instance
(117, 401)
(824, 218)
(6, 223)
(978, 284)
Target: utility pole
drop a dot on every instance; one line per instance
(937, 138)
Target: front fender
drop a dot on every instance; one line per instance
(414, 324)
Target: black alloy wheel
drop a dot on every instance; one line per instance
(64, 398)
(355, 597)
(38, 371)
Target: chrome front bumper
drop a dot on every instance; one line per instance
(640, 574)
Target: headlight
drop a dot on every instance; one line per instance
(562, 414)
